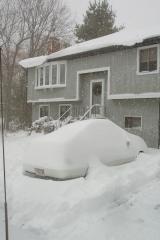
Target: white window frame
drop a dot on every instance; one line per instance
(138, 60)
(58, 84)
(61, 105)
(44, 105)
(133, 116)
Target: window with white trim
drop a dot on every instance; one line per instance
(41, 76)
(62, 73)
(148, 59)
(64, 110)
(47, 69)
(133, 122)
(43, 111)
(51, 75)
(54, 74)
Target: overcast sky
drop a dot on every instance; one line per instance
(130, 13)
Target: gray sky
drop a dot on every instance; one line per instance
(130, 13)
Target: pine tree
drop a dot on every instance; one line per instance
(98, 21)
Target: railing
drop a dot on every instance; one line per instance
(89, 111)
(59, 122)
(81, 113)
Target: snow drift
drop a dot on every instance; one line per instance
(67, 152)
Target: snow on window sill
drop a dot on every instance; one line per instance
(51, 86)
(147, 72)
(134, 128)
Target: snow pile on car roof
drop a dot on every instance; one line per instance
(75, 145)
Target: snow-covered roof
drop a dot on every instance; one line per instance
(124, 38)
(33, 62)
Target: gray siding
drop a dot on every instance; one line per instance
(123, 78)
(118, 109)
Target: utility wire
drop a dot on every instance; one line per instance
(3, 150)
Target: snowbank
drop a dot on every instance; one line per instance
(118, 202)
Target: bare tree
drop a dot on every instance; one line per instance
(12, 34)
(25, 28)
(45, 19)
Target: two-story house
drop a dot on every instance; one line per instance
(119, 71)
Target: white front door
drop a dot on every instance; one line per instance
(97, 93)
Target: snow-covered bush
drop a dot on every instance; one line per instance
(44, 124)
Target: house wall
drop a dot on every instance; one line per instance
(123, 76)
(148, 109)
(123, 79)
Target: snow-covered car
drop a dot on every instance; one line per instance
(67, 152)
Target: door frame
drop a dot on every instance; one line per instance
(91, 93)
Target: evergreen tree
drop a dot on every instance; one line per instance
(98, 21)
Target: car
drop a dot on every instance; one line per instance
(67, 152)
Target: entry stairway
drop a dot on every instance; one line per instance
(71, 115)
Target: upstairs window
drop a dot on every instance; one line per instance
(47, 75)
(133, 122)
(51, 75)
(54, 74)
(41, 76)
(62, 73)
(148, 59)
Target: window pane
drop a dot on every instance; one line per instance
(41, 76)
(153, 59)
(54, 74)
(44, 111)
(144, 60)
(62, 73)
(148, 60)
(47, 75)
(132, 122)
(63, 109)
(37, 79)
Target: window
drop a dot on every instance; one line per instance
(148, 59)
(51, 75)
(62, 73)
(47, 75)
(41, 76)
(43, 111)
(133, 122)
(64, 110)
(54, 74)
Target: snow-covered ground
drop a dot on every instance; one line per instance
(111, 203)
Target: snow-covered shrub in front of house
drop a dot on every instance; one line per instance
(43, 124)
(48, 125)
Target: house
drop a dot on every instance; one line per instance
(119, 72)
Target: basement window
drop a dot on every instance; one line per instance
(44, 111)
(64, 110)
(133, 122)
